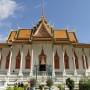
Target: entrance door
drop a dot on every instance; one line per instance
(42, 67)
(42, 61)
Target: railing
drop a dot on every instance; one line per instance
(2, 72)
(14, 72)
(48, 71)
(26, 73)
(58, 73)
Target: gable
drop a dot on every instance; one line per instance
(43, 31)
(72, 37)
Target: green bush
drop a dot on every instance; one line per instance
(15, 88)
(9, 88)
(70, 83)
(32, 82)
(41, 87)
(84, 84)
(49, 83)
(60, 86)
(25, 86)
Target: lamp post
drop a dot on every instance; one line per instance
(36, 72)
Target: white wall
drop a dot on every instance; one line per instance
(48, 51)
(47, 47)
(5, 52)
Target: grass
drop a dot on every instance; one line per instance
(15, 88)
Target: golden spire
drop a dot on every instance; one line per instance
(42, 8)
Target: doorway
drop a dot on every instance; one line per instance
(42, 61)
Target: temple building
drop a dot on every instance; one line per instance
(41, 52)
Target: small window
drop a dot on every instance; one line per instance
(56, 61)
(86, 62)
(66, 60)
(18, 59)
(42, 58)
(28, 61)
(76, 61)
(7, 60)
(83, 62)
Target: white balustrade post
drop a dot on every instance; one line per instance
(31, 71)
(53, 71)
(86, 73)
(85, 66)
(10, 61)
(75, 70)
(64, 72)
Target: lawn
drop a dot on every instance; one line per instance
(15, 88)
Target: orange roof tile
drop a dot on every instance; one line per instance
(60, 34)
(12, 36)
(23, 34)
(72, 37)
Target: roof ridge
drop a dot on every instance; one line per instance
(24, 29)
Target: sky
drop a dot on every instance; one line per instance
(71, 14)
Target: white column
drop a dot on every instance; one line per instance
(31, 71)
(75, 70)
(53, 71)
(20, 71)
(85, 62)
(85, 65)
(64, 72)
(8, 73)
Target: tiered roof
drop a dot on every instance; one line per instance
(44, 32)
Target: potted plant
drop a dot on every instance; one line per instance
(60, 86)
(41, 87)
(70, 83)
(49, 83)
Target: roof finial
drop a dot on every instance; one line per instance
(42, 8)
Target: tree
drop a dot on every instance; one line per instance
(70, 83)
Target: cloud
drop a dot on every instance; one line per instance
(7, 8)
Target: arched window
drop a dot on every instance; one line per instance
(83, 62)
(76, 61)
(42, 61)
(86, 61)
(56, 61)
(42, 58)
(18, 59)
(66, 61)
(0, 60)
(7, 60)
(28, 61)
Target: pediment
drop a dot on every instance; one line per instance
(42, 31)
